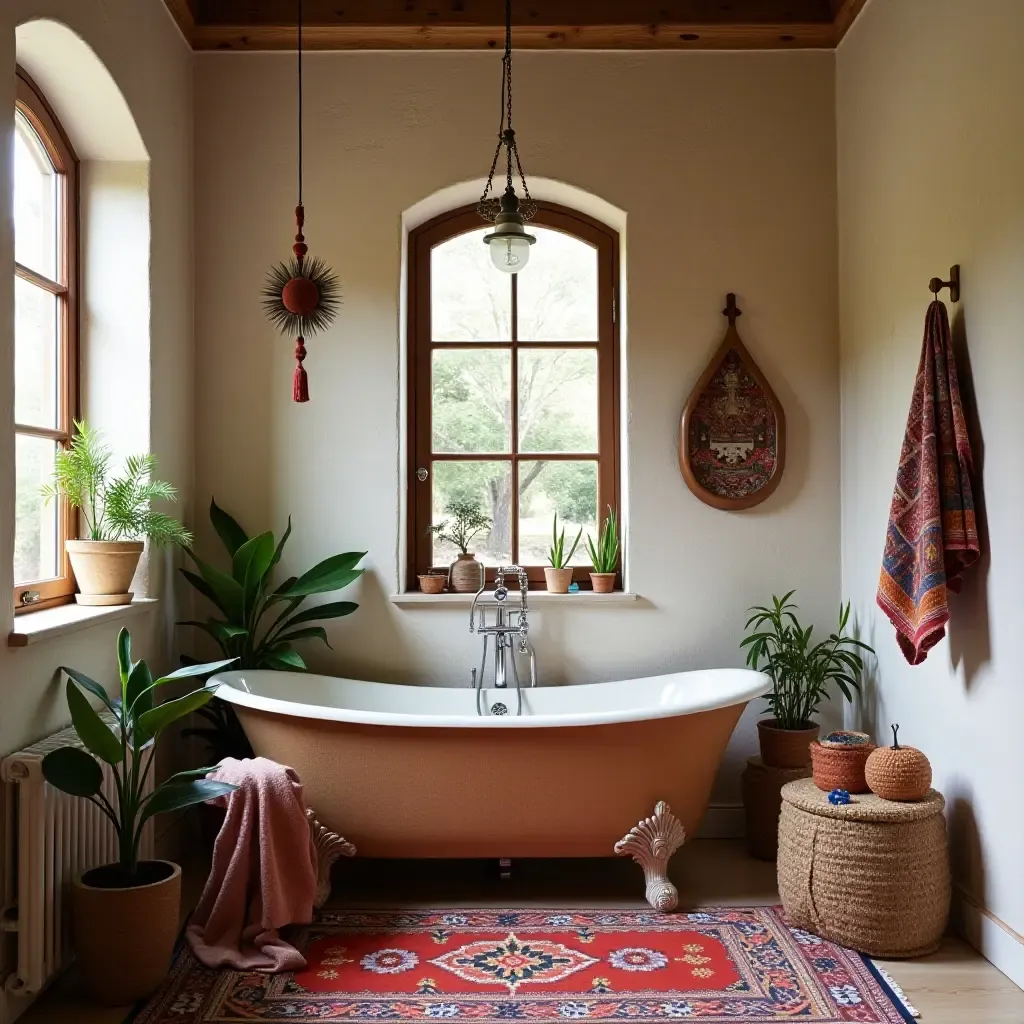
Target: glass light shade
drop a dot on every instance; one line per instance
(509, 253)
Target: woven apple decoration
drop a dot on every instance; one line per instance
(898, 773)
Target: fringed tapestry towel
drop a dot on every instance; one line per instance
(932, 535)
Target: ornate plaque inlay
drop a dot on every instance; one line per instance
(732, 440)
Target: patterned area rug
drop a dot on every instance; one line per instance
(541, 965)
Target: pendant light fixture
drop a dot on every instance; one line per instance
(301, 296)
(509, 242)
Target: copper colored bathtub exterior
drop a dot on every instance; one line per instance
(457, 792)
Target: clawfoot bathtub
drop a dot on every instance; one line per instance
(413, 771)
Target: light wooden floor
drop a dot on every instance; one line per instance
(953, 986)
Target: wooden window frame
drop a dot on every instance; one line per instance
(420, 348)
(31, 103)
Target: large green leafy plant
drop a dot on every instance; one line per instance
(801, 671)
(129, 748)
(113, 508)
(259, 621)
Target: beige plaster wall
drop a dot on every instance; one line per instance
(931, 173)
(151, 65)
(724, 166)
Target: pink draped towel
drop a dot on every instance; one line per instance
(263, 875)
(933, 534)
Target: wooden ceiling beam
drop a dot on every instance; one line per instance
(845, 14)
(181, 12)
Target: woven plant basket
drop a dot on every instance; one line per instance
(871, 875)
(840, 767)
(762, 802)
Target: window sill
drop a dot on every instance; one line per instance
(542, 597)
(32, 627)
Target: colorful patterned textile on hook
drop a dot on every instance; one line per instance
(736, 965)
(932, 536)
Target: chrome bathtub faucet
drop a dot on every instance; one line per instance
(511, 632)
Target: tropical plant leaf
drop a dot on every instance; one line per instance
(91, 729)
(308, 633)
(139, 691)
(124, 657)
(73, 771)
(280, 547)
(227, 591)
(251, 561)
(204, 588)
(88, 684)
(285, 660)
(176, 794)
(332, 610)
(331, 574)
(151, 723)
(230, 532)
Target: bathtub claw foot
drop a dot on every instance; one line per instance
(329, 847)
(651, 844)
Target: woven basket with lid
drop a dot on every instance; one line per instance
(872, 874)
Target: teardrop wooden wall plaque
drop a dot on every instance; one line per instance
(732, 441)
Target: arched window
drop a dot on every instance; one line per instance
(513, 388)
(45, 342)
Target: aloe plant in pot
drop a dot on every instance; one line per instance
(604, 555)
(800, 672)
(125, 914)
(558, 575)
(115, 511)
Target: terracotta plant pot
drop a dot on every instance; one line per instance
(104, 569)
(785, 748)
(466, 575)
(557, 580)
(603, 582)
(432, 583)
(124, 937)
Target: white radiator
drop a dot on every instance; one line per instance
(50, 838)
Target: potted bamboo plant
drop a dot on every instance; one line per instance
(558, 574)
(466, 520)
(125, 914)
(604, 555)
(115, 512)
(800, 673)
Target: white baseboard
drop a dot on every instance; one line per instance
(723, 821)
(995, 940)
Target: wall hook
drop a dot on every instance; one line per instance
(935, 285)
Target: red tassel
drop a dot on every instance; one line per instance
(300, 382)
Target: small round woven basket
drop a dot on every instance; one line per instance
(840, 767)
(872, 875)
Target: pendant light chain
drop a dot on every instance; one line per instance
(299, 22)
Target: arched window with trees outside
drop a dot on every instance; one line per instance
(513, 387)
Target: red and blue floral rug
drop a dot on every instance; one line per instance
(719, 965)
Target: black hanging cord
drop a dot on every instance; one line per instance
(299, 23)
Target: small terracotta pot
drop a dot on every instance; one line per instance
(124, 937)
(603, 582)
(432, 583)
(466, 574)
(104, 569)
(785, 748)
(557, 580)
(838, 767)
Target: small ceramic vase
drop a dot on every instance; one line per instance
(466, 575)
(898, 773)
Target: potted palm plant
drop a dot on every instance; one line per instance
(800, 672)
(558, 574)
(115, 512)
(604, 555)
(467, 520)
(125, 914)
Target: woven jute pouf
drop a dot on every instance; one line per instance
(872, 875)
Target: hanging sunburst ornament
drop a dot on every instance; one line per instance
(301, 296)
(509, 242)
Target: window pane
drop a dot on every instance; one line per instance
(35, 524)
(568, 488)
(469, 299)
(558, 400)
(489, 486)
(472, 400)
(558, 290)
(35, 202)
(35, 355)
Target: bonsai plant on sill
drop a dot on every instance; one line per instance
(605, 555)
(259, 622)
(116, 514)
(468, 519)
(125, 914)
(558, 575)
(800, 674)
